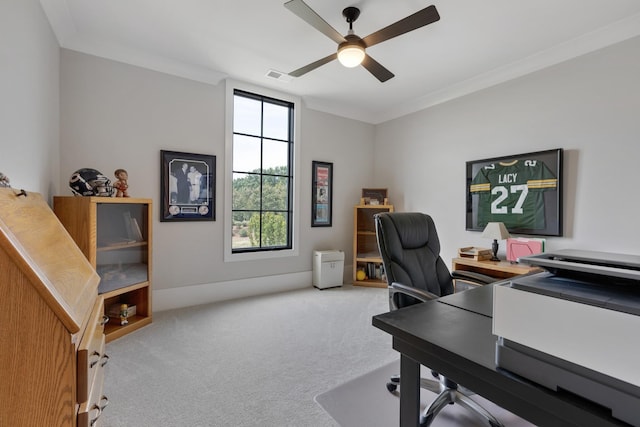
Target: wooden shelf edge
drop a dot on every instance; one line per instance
(125, 289)
(112, 331)
(121, 246)
(376, 260)
(133, 200)
(370, 283)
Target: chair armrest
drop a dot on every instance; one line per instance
(399, 288)
(473, 277)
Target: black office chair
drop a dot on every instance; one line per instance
(410, 251)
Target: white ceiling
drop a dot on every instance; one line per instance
(475, 44)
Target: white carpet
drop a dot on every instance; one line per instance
(252, 362)
(365, 401)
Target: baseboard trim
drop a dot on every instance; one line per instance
(187, 296)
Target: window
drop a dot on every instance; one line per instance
(262, 173)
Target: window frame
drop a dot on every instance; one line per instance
(278, 252)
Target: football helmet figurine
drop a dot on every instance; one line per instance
(90, 182)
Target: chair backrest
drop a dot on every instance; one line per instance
(410, 251)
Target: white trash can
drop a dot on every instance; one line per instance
(328, 269)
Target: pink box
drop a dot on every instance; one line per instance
(520, 247)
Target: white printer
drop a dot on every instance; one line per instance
(575, 327)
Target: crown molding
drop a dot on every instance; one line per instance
(615, 33)
(61, 21)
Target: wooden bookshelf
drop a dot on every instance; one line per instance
(115, 236)
(366, 256)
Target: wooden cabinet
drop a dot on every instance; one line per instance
(366, 257)
(115, 236)
(51, 320)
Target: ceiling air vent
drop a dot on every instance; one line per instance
(280, 76)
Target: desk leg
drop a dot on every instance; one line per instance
(409, 392)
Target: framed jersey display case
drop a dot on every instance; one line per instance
(522, 191)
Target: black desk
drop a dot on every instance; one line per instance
(453, 336)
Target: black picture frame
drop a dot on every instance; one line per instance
(182, 200)
(525, 217)
(321, 194)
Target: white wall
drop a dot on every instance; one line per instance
(29, 90)
(120, 116)
(588, 106)
(114, 115)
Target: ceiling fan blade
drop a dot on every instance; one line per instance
(310, 67)
(375, 68)
(301, 9)
(419, 19)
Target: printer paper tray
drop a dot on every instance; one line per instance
(622, 398)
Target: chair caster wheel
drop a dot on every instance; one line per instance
(426, 421)
(392, 387)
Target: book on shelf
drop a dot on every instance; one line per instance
(135, 227)
(375, 271)
(132, 228)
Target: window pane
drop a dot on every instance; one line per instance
(247, 115)
(261, 188)
(276, 121)
(275, 192)
(246, 154)
(274, 229)
(275, 157)
(246, 192)
(240, 237)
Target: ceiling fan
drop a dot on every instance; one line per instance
(351, 48)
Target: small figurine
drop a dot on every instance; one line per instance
(4, 180)
(121, 184)
(124, 314)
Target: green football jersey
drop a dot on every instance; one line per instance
(513, 193)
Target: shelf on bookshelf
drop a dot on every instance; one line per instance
(121, 244)
(115, 276)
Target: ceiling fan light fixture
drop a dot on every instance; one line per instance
(351, 53)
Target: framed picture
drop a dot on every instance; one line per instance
(523, 191)
(187, 187)
(321, 194)
(374, 196)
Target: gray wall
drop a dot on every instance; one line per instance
(588, 106)
(29, 112)
(113, 115)
(120, 116)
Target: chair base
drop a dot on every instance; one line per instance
(448, 393)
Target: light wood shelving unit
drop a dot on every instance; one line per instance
(366, 256)
(115, 236)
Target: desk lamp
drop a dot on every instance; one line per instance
(496, 231)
